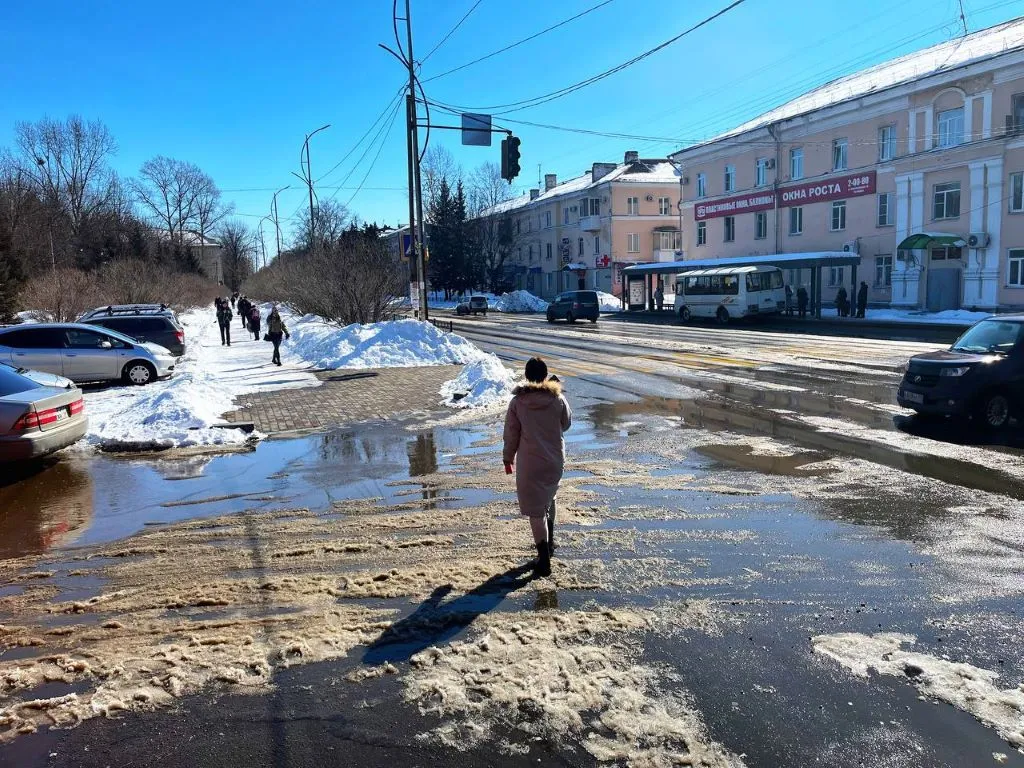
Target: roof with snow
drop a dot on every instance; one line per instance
(953, 54)
(642, 171)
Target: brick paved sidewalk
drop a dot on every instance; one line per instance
(346, 397)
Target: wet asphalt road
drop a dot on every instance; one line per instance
(833, 565)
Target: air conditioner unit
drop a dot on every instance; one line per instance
(977, 239)
(851, 246)
(769, 163)
(649, 198)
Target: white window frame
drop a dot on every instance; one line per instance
(580, 247)
(702, 233)
(836, 276)
(886, 143)
(702, 185)
(884, 201)
(664, 206)
(729, 178)
(633, 206)
(597, 245)
(729, 229)
(949, 128)
(944, 195)
(549, 250)
(590, 206)
(761, 172)
(838, 207)
(547, 219)
(883, 262)
(840, 154)
(796, 163)
(760, 225)
(796, 216)
(1017, 192)
(633, 242)
(565, 215)
(1015, 257)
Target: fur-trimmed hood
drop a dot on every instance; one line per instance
(553, 388)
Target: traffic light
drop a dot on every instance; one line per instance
(510, 158)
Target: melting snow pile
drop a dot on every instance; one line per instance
(609, 303)
(965, 686)
(520, 301)
(482, 383)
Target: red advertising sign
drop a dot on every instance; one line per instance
(838, 188)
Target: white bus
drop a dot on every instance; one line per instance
(729, 292)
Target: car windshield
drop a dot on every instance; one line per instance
(120, 336)
(991, 336)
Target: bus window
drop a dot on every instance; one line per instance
(731, 285)
(776, 278)
(753, 281)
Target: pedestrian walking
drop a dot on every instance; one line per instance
(842, 302)
(537, 417)
(234, 298)
(254, 321)
(862, 299)
(224, 316)
(243, 311)
(275, 330)
(801, 301)
(789, 299)
(659, 297)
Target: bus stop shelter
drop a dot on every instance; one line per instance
(638, 287)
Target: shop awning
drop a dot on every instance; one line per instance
(812, 260)
(922, 241)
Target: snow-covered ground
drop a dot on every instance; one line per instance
(520, 302)
(946, 317)
(182, 410)
(609, 303)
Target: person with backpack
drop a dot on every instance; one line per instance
(224, 316)
(536, 419)
(243, 311)
(275, 330)
(254, 321)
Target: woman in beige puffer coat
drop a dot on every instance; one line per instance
(536, 419)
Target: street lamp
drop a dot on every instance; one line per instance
(308, 178)
(277, 224)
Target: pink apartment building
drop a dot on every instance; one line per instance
(928, 145)
(581, 233)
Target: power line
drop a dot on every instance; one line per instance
(450, 32)
(515, 106)
(369, 170)
(348, 154)
(370, 146)
(516, 44)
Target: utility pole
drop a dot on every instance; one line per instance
(416, 238)
(277, 224)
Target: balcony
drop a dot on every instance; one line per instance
(590, 223)
(663, 254)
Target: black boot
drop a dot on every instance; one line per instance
(543, 564)
(551, 530)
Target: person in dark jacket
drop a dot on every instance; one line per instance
(789, 299)
(801, 301)
(243, 311)
(862, 299)
(275, 330)
(234, 298)
(224, 316)
(254, 321)
(842, 302)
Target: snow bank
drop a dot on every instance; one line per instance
(965, 686)
(520, 301)
(946, 317)
(481, 384)
(609, 303)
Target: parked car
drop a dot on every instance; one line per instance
(84, 353)
(475, 305)
(575, 305)
(36, 418)
(146, 322)
(981, 375)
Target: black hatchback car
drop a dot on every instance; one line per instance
(575, 305)
(153, 323)
(981, 375)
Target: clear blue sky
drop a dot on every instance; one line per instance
(233, 85)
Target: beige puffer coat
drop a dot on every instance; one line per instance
(536, 419)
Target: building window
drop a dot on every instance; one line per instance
(946, 253)
(580, 245)
(565, 215)
(633, 206)
(519, 226)
(633, 242)
(547, 218)
(840, 155)
(730, 178)
(1017, 113)
(796, 163)
(549, 251)
(1016, 192)
(597, 245)
(796, 220)
(668, 241)
(947, 201)
(702, 233)
(885, 212)
(760, 225)
(1016, 262)
(835, 276)
(886, 143)
(531, 252)
(838, 223)
(730, 228)
(883, 270)
(951, 128)
(702, 185)
(590, 206)
(761, 172)
(664, 206)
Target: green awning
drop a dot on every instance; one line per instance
(922, 241)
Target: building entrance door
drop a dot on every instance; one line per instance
(943, 289)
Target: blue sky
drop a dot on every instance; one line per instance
(233, 85)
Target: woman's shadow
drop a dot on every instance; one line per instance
(435, 621)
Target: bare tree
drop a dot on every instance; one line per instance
(209, 209)
(238, 253)
(169, 191)
(438, 165)
(332, 218)
(494, 234)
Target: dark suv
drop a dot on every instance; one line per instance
(154, 323)
(981, 375)
(575, 305)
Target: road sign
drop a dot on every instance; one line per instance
(476, 129)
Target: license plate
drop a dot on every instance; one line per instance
(62, 414)
(913, 397)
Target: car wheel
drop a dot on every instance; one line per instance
(138, 373)
(593, 320)
(722, 315)
(994, 411)
(551, 318)
(684, 314)
(569, 318)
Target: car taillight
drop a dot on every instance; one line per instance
(76, 407)
(29, 421)
(180, 336)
